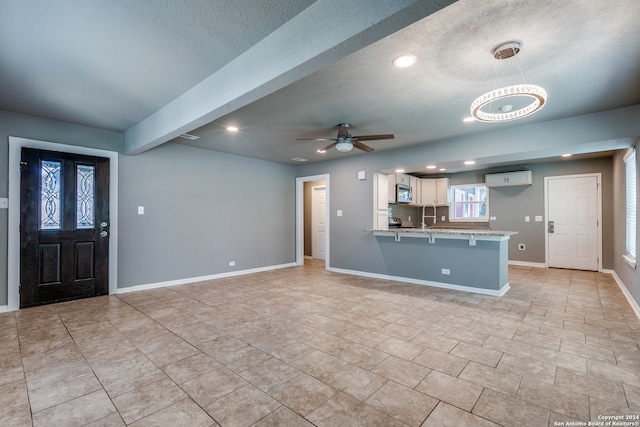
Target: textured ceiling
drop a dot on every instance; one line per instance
(112, 64)
(109, 64)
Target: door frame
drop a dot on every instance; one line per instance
(598, 177)
(314, 219)
(300, 216)
(13, 262)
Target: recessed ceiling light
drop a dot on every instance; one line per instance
(404, 61)
(567, 155)
(399, 170)
(469, 119)
(470, 162)
(232, 129)
(431, 167)
(299, 159)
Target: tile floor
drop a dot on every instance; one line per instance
(302, 347)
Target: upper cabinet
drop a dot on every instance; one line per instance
(424, 191)
(403, 179)
(415, 190)
(508, 178)
(434, 191)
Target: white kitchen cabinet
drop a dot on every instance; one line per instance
(508, 178)
(442, 191)
(415, 190)
(434, 191)
(402, 178)
(391, 188)
(427, 191)
(380, 201)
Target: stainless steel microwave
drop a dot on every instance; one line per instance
(403, 194)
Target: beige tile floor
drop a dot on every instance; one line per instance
(302, 346)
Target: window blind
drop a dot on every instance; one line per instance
(630, 228)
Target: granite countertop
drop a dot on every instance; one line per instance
(449, 231)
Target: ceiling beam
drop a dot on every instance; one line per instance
(325, 32)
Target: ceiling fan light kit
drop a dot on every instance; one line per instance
(536, 94)
(344, 146)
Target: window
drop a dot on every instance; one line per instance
(50, 195)
(85, 203)
(630, 218)
(470, 202)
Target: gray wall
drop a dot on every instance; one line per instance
(13, 124)
(202, 210)
(511, 204)
(629, 276)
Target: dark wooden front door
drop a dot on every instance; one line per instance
(64, 227)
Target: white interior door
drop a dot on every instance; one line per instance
(318, 221)
(573, 222)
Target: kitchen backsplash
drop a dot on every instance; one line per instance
(404, 212)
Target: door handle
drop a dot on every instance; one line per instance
(552, 227)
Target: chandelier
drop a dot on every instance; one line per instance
(536, 95)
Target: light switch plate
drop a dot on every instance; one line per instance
(4, 203)
(140, 210)
(339, 212)
(362, 175)
(527, 218)
(538, 218)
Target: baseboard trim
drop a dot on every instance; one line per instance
(632, 302)
(528, 264)
(148, 286)
(413, 281)
(4, 308)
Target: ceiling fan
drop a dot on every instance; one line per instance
(345, 141)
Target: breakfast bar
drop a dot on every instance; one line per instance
(471, 260)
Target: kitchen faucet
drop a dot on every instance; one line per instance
(428, 216)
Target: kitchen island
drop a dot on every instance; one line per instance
(471, 260)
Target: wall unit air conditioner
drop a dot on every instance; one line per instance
(508, 179)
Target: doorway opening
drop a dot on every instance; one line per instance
(16, 146)
(312, 219)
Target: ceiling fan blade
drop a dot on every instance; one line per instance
(315, 139)
(328, 147)
(362, 147)
(374, 137)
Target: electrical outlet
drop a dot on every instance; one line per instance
(446, 271)
(409, 218)
(232, 263)
(443, 218)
